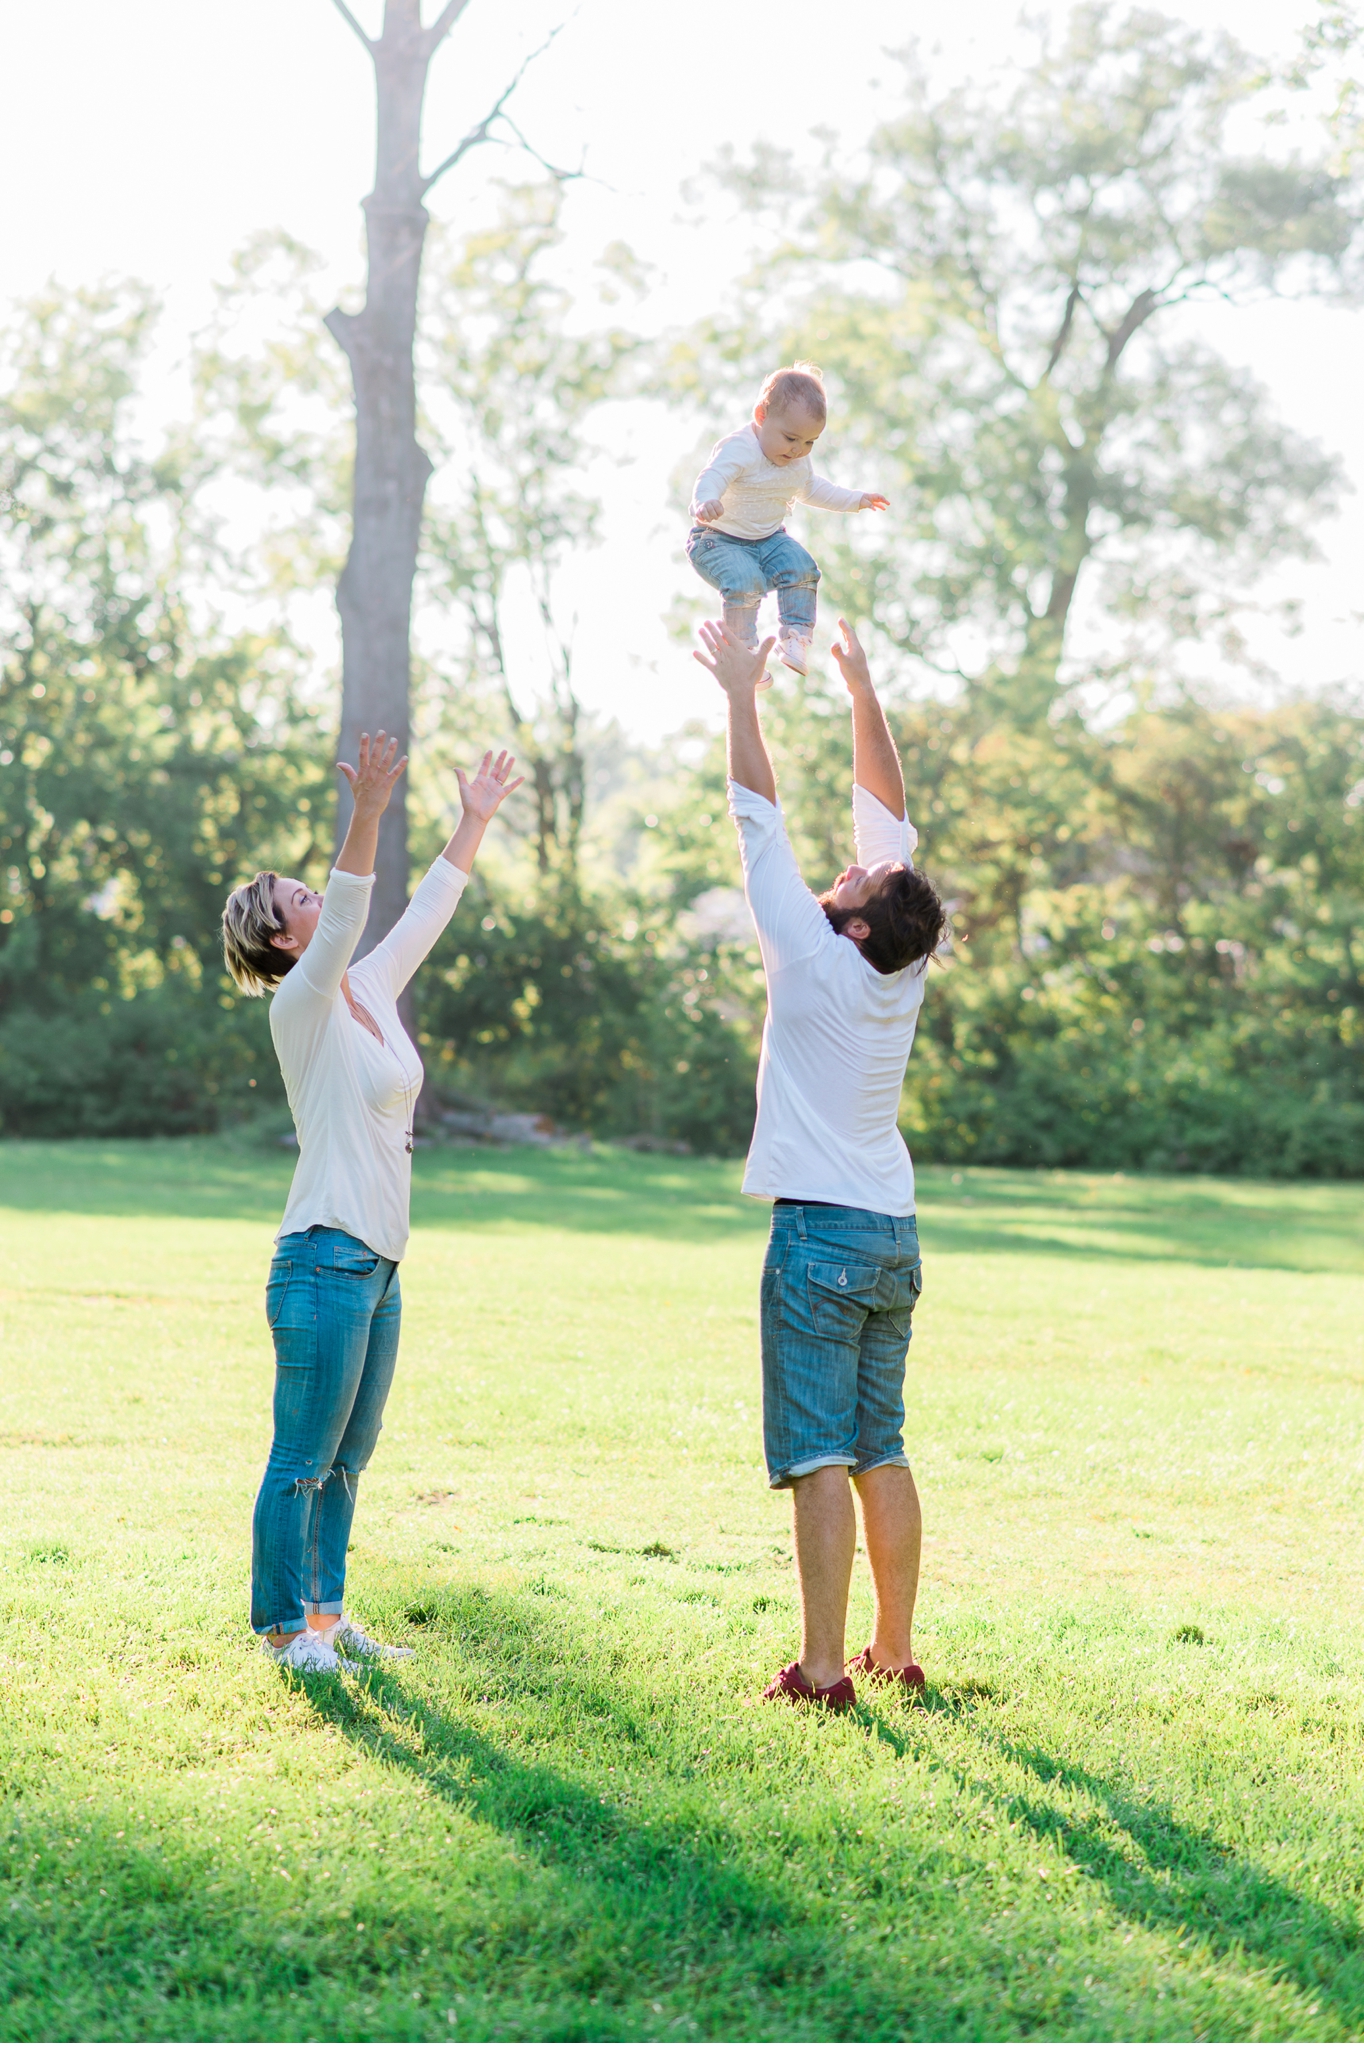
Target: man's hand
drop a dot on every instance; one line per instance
(872, 501)
(373, 782)
(736, 668)
(712, 509)
(851, 659)
(481, 794)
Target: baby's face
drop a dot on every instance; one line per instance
(786, 436)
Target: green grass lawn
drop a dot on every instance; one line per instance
(1131, 1806)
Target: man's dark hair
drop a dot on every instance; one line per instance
(906, 921)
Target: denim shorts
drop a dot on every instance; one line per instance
(838, 1294)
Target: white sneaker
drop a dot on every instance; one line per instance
(308, 1652)
(764, 681)
(794, 649)
(351, 1636)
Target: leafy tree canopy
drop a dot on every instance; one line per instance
(991, 288)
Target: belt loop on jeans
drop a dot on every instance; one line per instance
(800, 1221)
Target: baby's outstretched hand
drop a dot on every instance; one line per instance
(872, 501)
(712, 509)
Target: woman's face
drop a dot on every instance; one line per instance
(297, 909)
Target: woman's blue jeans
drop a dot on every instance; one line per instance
(334, 1311)
(743, 571)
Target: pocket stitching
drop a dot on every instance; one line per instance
(281, 1271)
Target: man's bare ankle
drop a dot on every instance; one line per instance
(891, 1655)
(820, 1676)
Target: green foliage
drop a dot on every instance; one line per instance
(990, 289)
(610, 1023)
(512, 383)
(1158, 930)
(1156, 900)
(145, 764)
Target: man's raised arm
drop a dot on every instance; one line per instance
(876, 762)
(737, 669)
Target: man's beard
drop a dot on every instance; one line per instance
(839, 919)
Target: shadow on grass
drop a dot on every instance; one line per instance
(609, 1191)
(661, 1889)
(648, 1893)
(606, 1191)
(581, 1912)
(1302, 1227)
(1178, 1879)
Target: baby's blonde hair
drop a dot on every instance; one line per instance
(796, 387)
(250, 921)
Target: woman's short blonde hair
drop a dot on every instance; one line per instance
(250, 920)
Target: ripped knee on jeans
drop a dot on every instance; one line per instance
(311, 1482)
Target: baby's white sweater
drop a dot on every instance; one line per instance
(758, 494)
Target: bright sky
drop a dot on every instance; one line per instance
(153, 137)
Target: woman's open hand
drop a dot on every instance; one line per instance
(373, 782)
(481, 793)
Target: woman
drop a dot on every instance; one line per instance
(332, 1302)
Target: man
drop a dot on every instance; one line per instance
(845, 979)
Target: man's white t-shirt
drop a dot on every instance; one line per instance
(352, 1097)
(837, 1035)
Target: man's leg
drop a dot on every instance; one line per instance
(891, 1517)
(826, 1538)
(893, 1524)
(810, 1360)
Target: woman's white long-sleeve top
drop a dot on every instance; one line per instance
(352, 1098)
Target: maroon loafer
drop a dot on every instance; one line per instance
(910, 1676)
(791, 1683)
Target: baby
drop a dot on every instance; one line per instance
(752, 480)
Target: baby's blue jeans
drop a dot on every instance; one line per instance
(743, 571)
(334, 1311)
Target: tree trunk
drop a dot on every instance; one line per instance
(374, 596)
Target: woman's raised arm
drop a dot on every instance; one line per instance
(433, 905)
(371, 786)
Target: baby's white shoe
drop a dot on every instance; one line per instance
(795, 650)
(764, 681)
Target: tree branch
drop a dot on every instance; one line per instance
(339, 325)
(561, 176)
(440, 28)
(346, 15)
(480, 132)
(1137, 314)
(1063, 332)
